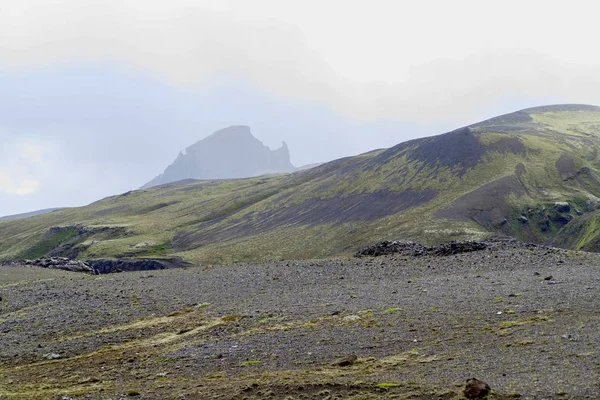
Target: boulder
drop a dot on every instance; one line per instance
(346, 360)
(562, 206)
(476, 389)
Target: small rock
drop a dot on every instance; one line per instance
(548, 278)
(91, 379)
(476, 389)
(51, 356)
(346, 360)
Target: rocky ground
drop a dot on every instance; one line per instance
(524, 319)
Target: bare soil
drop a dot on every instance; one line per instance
(524, 320)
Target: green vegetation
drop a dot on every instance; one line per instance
(387, 385)
(50, 241)
(504, 176)
(250, 363)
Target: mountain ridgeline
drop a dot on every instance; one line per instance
(226, 154)
(533, 174)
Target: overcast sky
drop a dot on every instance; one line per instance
(98, 97)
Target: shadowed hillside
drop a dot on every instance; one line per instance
(533, 174)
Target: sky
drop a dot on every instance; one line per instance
(97, 97)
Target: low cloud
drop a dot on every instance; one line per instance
(17, 185)
(22, 165)
(191, 46)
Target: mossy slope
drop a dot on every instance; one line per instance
(533, 174)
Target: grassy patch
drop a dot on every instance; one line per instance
(250, 363)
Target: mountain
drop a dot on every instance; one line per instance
(533, 174)
(29, 214)
(229, 153)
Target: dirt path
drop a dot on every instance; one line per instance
(420, 327)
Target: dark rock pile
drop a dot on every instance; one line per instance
(446, 249)
(417, 249)
(63, 263)
(107, 266)
(103, 266)
(457, 247)
(395, 247)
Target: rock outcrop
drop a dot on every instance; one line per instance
(63, 263)
(226, 154)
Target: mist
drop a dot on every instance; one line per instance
(97, 99)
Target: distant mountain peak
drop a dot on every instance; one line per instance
(228, 153)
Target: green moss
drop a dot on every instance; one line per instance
(258, 218)
(250, 363)
(387, 385)
(50, 241)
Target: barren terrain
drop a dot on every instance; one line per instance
(524, 319)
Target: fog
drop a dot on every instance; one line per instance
(97, 98)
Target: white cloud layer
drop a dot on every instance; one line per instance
(22, 165)
(114, 89)
(17, 185)
(403, 60)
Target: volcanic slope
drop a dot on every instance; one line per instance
(532, 174)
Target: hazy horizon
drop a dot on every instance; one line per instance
(98, 98)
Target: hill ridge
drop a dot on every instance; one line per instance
(532, 175)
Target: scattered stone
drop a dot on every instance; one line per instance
(51, 356)
(91, 379)
(523, 219)
(346, 360)
(351, 318)
(476, 389)
(548, 278)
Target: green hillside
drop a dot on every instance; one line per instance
(533, 174)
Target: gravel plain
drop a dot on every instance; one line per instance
(526, 320)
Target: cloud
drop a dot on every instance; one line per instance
(189, 44)
(22, 164)
(32, 152)
(17, 185)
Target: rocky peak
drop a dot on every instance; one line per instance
(228, 153)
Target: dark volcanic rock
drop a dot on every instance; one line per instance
(417, 249)
(228, 153)
(562, 207)
(476, 389)
(346, 360)
(61, 263)
(103, 266)
(456, 247)
(107, 266)
(387, 247)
